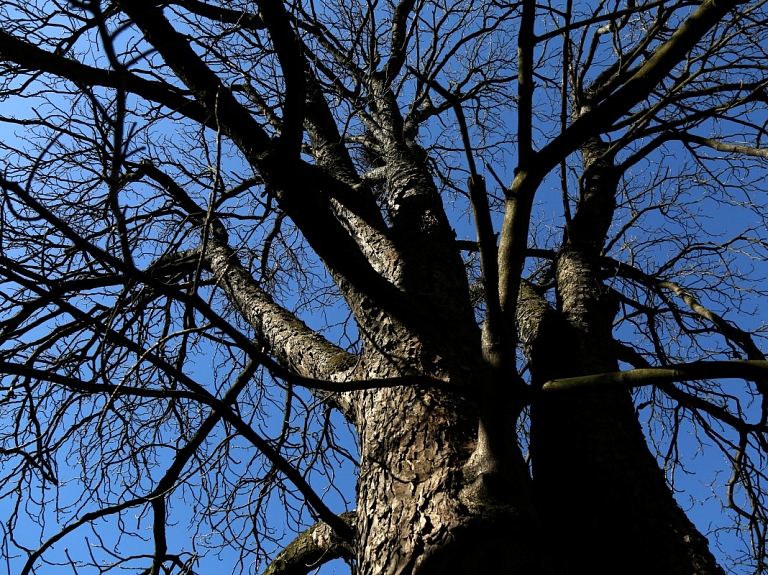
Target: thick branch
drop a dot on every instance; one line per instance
(399, 40)
(495, 343)
(638, 86)
(737, 369)
(525, 45)
(316, 546)
(495, 340)
(34, 58)
(296, 185)
(296, 346)
(533, 167)
(218, 101)
(293, 65)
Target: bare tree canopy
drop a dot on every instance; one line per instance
(499, 263)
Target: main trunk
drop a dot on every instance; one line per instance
(427, 501)
(443, 487)
(423, 507)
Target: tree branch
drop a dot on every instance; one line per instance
(34, 58)
(293, 474)
(217, 101)
(638, 86)
(740, 337)
(296, 184)
(399, 41)
(525, 85)
(84, 519)
(220, 14)
(689, 400)
(294, 67)
(736, 369)
(721, 146)
(316, 546)
(609, 17)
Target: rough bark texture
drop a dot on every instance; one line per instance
(317, 545)
(422, 508)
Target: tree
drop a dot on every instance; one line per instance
(231, 229)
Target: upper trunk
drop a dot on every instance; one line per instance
(596, 482)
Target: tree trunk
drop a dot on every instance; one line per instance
(422, 507)
(427, 501)
(596, 483)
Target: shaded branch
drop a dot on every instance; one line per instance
(240, 18)
(294, 66)
(689, 400)
(218, 102)
(34, 58)
(423, 382)
(399, 41)
(495, 342)
(525, 84)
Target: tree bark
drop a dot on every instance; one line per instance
(596, 483)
